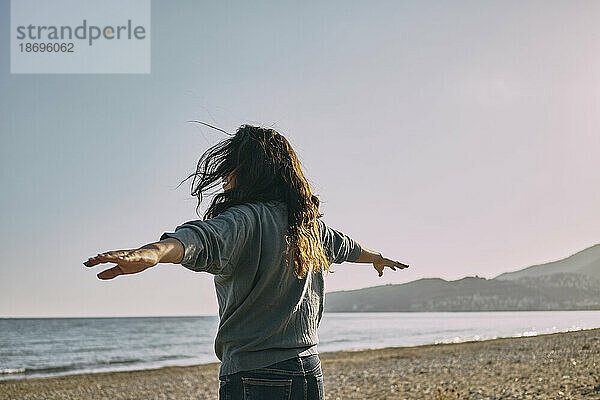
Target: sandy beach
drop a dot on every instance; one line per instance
(554, 366)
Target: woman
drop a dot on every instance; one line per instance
(264, 242)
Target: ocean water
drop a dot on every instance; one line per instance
(31, 348)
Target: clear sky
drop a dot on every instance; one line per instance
(459, 137)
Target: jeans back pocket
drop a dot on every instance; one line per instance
(267, 389)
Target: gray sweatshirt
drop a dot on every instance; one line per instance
(266, 313)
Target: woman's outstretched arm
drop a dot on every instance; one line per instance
(212, 245)
(132, 261)
(379, 262)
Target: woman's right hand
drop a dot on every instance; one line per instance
(128, 261)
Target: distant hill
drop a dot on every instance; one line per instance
(586, 262)
(569, 284)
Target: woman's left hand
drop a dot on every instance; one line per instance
(128, 261)
(383, 262)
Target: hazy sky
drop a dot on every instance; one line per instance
(459, 137)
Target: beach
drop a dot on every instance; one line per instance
(561, 365)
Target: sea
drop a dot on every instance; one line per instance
(45, 347)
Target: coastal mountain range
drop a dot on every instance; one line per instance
(572, 283)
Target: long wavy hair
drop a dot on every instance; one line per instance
(265, 168)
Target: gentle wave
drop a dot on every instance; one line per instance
(463, 339)
(68, 367)
(9, 371)
(169, 357)
(102, 365)
(93, 349)
(126, 361)
(54, 369)
(18, 352)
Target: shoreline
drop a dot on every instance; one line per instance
(548, 365)
(13, 377)
(149, 368)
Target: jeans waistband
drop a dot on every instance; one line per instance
(305, 365)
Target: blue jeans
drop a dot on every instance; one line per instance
(299, 378)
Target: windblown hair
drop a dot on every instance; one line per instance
(265, 168)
